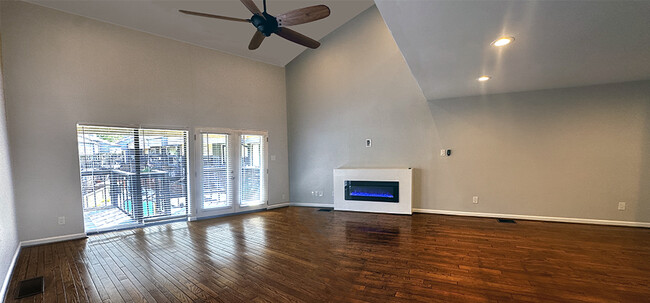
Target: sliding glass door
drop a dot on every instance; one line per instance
(131, 176)
(231, 171)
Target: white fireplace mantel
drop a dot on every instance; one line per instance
(402, 175)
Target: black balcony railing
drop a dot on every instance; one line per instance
(119, 189)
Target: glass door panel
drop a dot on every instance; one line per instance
(163, 173)
(251, 171)
(217, 171)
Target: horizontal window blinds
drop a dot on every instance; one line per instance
(130, 176)
(217, 171)
(252, 175)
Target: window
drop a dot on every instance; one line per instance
(216, 171)
(252, 173)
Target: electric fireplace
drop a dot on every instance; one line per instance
(374, 191)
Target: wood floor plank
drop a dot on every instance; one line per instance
(302, 255)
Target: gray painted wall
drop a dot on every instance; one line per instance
(61, 69)
(356, 86)
(8, 234)
(571, 152)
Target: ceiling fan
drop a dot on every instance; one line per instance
(266, 24)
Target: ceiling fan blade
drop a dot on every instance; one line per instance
(213, 16)
(303, 15)
(250, 5)
(297, 37)
(258, 37)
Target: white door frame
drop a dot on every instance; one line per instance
(234, 153)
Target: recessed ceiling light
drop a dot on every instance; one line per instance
(502, 41)
(483, 78)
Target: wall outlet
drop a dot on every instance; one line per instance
(320, 193)
(475, 199)
(621, 205)
(61, 220)
(443, 153)
(272, 157)
(313, 194)
(284, 197)
(368, 143)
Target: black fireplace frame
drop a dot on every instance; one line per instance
(393, 185)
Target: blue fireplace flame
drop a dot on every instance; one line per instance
(369, 194)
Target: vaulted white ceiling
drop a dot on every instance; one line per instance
(161, 17)
(446, 43)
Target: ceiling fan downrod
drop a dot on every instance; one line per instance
(265, 23)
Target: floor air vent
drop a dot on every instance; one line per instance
(506, 221)
(28, 288)
(326, 209)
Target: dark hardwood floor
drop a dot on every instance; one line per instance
(303, 255)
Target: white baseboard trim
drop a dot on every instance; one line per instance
(7, 279)
(52, 239)
(279, 205)
(328, 205)
(534, 218)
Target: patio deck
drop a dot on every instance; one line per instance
(111, 217)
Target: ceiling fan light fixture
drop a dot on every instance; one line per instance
(483, 78)
(502, 41)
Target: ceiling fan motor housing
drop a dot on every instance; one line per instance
(267, 25)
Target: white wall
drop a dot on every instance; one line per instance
(61, 69)
(572, 152)
(8, 234)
